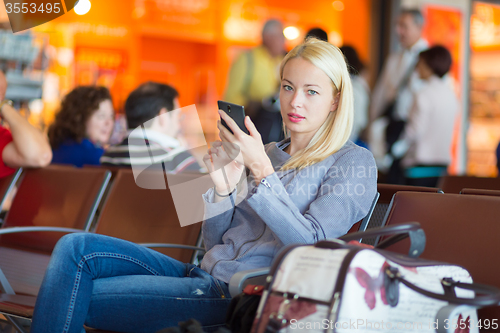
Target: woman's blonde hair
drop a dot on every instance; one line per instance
(335, 131)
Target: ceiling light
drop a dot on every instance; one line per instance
(338, 6)
(291, 33)
(82, 7)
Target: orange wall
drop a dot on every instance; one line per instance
(191, 44)
(356, 26)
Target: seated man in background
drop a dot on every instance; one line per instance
(21, 145)
(153, 110)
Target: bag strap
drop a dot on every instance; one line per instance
(491, 295)
(389, 109)
(406, 79)
(399, 232)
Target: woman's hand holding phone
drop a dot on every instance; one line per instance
(250, 146)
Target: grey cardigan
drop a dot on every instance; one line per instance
(322, 201)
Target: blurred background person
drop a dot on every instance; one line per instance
(154, 106)
(82, 127)
(254, 82)
(21, 145)
(392, 95)
(317, 33)
(361, 92)
(429, 130)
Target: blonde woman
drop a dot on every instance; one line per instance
(313, 185)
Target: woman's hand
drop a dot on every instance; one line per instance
(250, 146)
(225, 168)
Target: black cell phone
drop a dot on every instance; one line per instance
(236, 112)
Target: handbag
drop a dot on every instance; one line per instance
(242, 309)
(336, 287)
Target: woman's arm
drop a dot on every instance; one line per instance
(30, 147)
(218, 217)
(342, 199)
(226, 161)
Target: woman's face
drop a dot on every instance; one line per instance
(306, 97)
(100, 124)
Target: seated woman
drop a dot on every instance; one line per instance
(82, 126)
(311, 186)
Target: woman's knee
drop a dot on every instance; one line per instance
(76, 243)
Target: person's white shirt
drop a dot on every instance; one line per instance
(396, 69)
(361, 92)
(429, 130)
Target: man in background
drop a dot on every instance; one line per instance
(392, 95)
(254, 81)
(398, 75)
(21, 145)
(153, 117)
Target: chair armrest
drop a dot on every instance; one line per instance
(176, 246)
(240, 279)
(15, 230)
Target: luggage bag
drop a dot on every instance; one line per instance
(336, 287)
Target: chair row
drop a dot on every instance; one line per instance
(65, 199)
(56, 200)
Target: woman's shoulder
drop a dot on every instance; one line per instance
(351, 153)
(352, 162)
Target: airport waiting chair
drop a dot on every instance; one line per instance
(460, 229)
(454, 184)
(49, 202)
(148, 216)
(474, 191)
(361, 225)
(387, 191)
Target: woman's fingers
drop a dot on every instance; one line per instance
(230, 122)
(224, 133)
(251, 128)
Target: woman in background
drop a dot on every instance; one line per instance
(428, 133)
(82, 127)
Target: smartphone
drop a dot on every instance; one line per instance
(236, 112)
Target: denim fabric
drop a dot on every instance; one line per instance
(111, 284)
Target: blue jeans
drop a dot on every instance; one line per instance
(111, 284)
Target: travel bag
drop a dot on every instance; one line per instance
(336, 287)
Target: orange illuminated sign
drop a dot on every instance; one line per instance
(485, 27)
(103, 58)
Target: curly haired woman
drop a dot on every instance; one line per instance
(82, 126)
